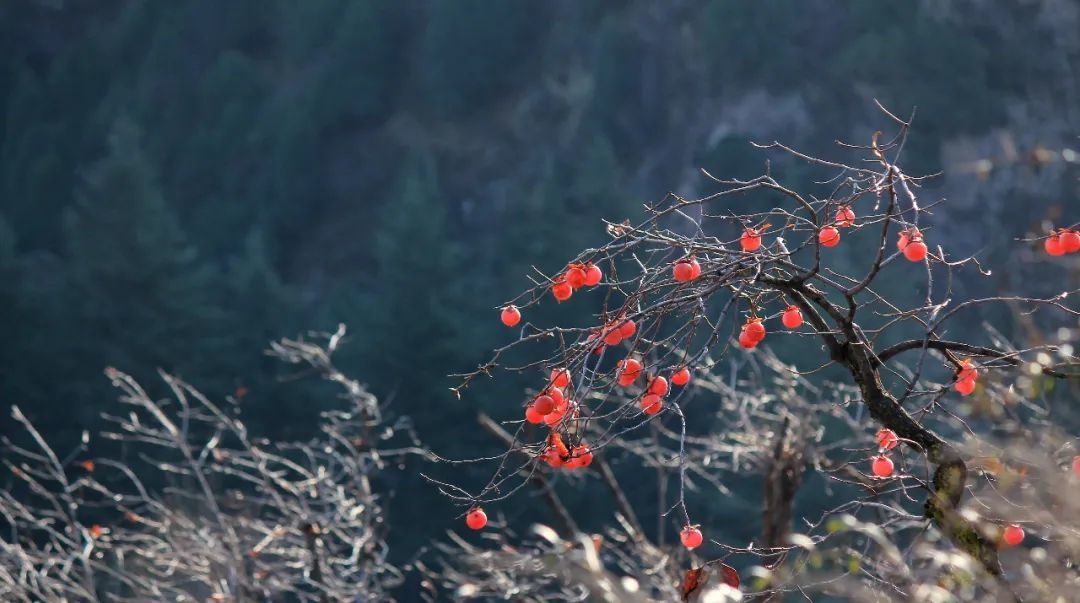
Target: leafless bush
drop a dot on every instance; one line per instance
(241, 519)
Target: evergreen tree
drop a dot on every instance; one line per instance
(616, 103)
(741, 41)
(412, 330)
(260, 305)
(143, 296)
(472, 51)
(597, 186)
(9, 323)
(34, 164)
(261, 308)
(538, 228)
(408, 332)
(360, 65)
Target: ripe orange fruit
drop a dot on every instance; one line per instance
(555, 416)
(658, 386)
(96, 531)
(1013, 534)
(552, 458)
(651, 404)
(580, 457)
(543, 404)
(691, 537)
(593, 275)
(750, 240)
(915, 251)
(681, 271)
(584, 454)
(906, 237)
(510, 316)
(887, 439)
(560, 377)
(613, 337)
(686, 270)
(561, 289)
(629, 368)
(681, 376)
(754, 329)
(792, 317)
(829, 237)
(556, 395)
(476, 519)
(1070, 241)
(575, 276)
(965, 386)
(1076, 465)
(967, 371)
(532, 416)
(845, 217)
(628, 329)
(556, 443)
(1053, 246)
(746, 341)
(882, 466)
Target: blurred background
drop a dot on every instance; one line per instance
(181, 182)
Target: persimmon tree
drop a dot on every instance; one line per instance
(698, 301)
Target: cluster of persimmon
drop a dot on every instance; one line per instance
(753, 332)
(1062, 241)
(562, 288)
(558, 455)
(828, 236)
(549, 407)
(552, 403)
(613, 334)
(882, 465)
(686, 269)
(911, 244)
(575, 277)
(652, 400)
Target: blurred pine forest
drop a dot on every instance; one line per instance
(181, 182)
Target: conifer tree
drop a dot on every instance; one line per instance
(144, 296)
(420, 299)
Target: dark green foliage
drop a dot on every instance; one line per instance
(358, 78)
(616, 65)
(131, 266)
(421, 287)
(472, 51)
(774, 33)
(957, 69)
